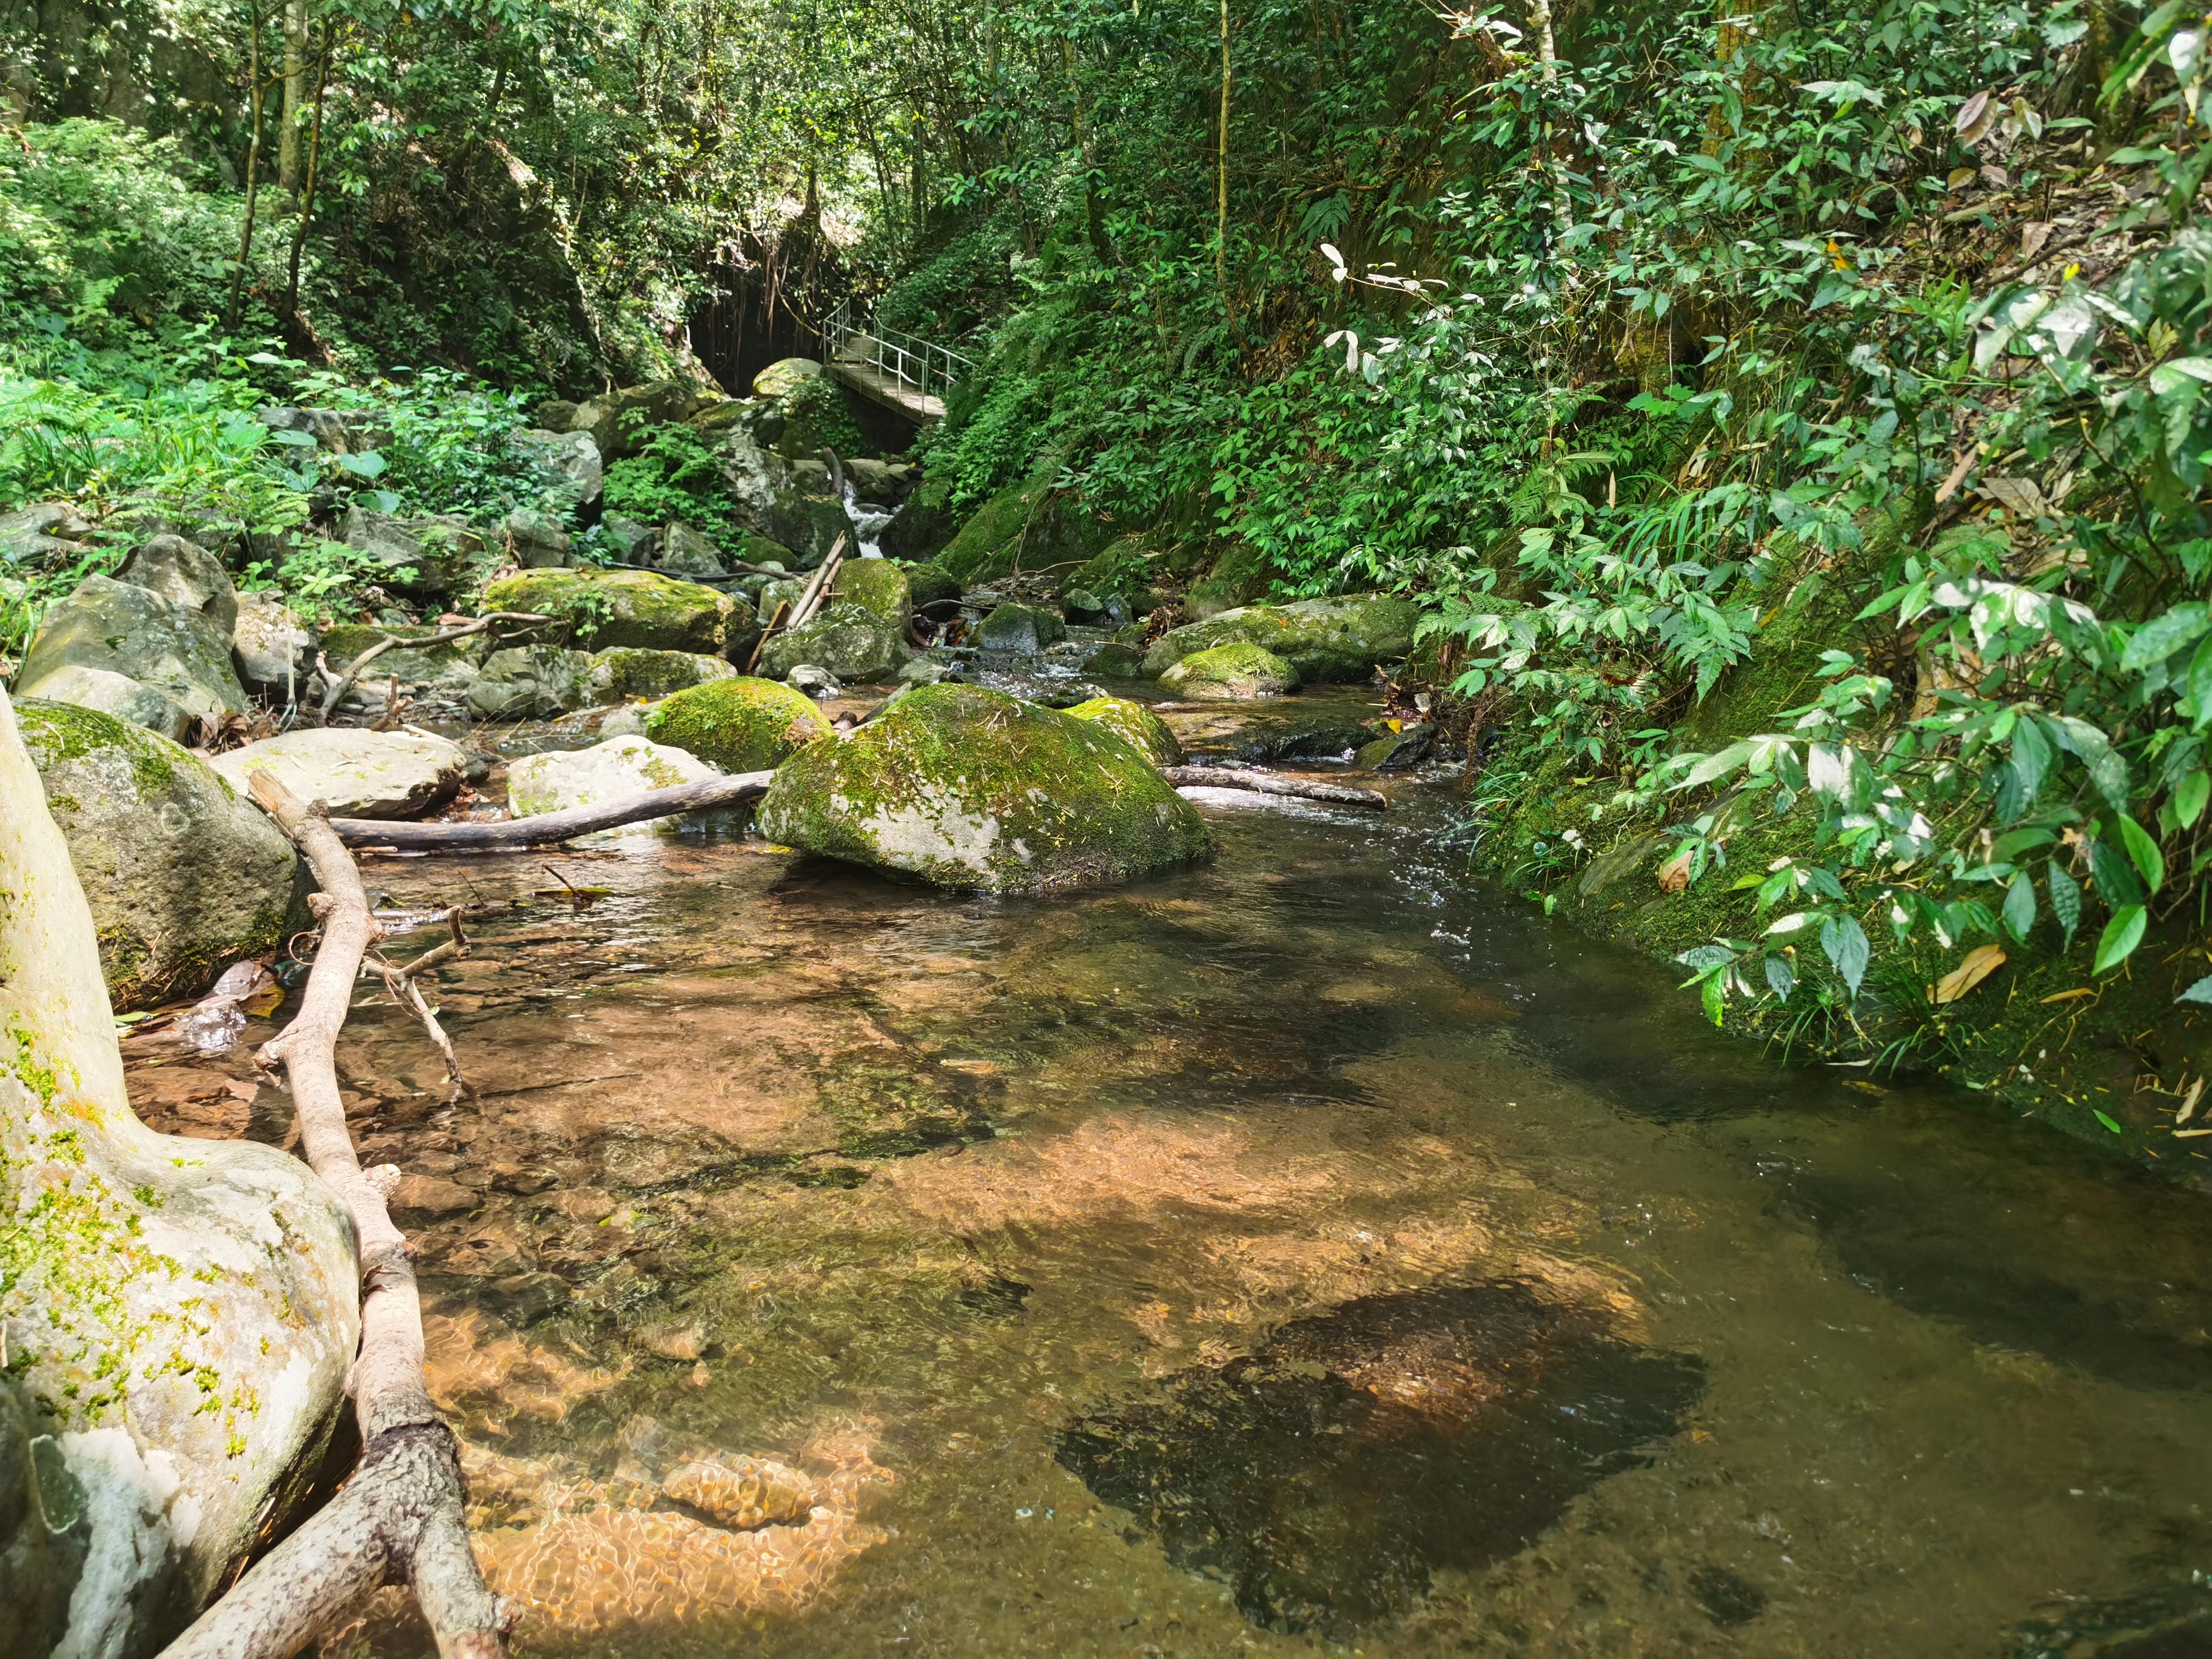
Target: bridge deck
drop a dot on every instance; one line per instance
(888, 390)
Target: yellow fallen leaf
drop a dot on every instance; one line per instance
(1976, 966)
(2190, 1134)
(2189, 1103)
(2068, 996)
(1674, 874)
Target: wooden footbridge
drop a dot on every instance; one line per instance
(903, 374)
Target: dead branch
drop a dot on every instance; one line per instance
(340, 685)
(512, 835)
(400, 981)
(400, 1515)
(1269, 783)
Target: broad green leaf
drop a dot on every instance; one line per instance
(2142, 852)
(1846, 943)
(367, 464)
(2019, 905)
(2161, 636)
(2189, 797)
(2030, 758)
(2121, 935)
(2065, 899)
(1714, 766)
(2107, 1119)
(1782, 979)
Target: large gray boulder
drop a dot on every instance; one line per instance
(186, 574)
(105, 692)
(966, 787)
(423, 558)
(537, 539)
(854, 644)
(45, 527)
(134, 631)
(271, 647)
(788, 503)
(533, 682)
(357, 773)
(571, 459)
(685, 552)
(558, 779)
(181, 1314)
(620, 422)
(184, 877)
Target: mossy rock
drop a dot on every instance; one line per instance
(740, 725)
(753, 548)
(1115, 661)
(929, 583)
(924, 525)
(1135, 724)
(184, 877)
(1027, 527)
(1240, 575)
(1234, 672)
(133, 631)
(969, 789)
(1324, 640)
(1123, 570)
(1020, 628)
(557, 779)
(854, 645)
(877, 585)
(784, 376)
(627, 672)
(603, 609)
(455, 660)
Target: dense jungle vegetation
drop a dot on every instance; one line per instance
(1792, 418)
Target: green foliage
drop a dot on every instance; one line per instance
(676, 477)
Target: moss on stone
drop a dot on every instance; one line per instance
(630, 671)
(1235, 670)
(1026, 527)
(1135, 724)
(930, 583)
(852, 644)
(58, 731)
(753, 548)
(1325, 640)
(603, 609)
(966, 788)
(877, 585)
(740, 725)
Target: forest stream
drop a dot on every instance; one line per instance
(1307, 1252)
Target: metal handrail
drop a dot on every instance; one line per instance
(907, 358)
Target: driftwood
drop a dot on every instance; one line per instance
(400, 1515)
(340, 685)
(512, 835)
(1270, 783)
(401, 982)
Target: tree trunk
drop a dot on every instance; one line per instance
(1221, 173)
(1547, 55)
(295, 96)
(314, 167)
(257, 102)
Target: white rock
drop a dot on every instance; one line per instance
(358, 775)
(560, 779)
(115, 694)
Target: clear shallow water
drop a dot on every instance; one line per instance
(1303, 1253)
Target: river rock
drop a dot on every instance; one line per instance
(134, 631)
(739, 725)
(784, 376)
(423, 558)
(572, 458)
(789, 503)
(270, 647)
(181, 1314)
(537, 539)
(1340, 639)
(625, 672)
(562, 778)
(183, 877)
(608, 608)
(1020, 628)
(929, 586)
(36, 532)
(852, 644)
(1116, 661)
(1023, 527)
(106, 692)
(358, 775)
(688, 553)
(1135, 724)
(1234, 670)
(530, 682)
(186, 574)
(966, 787)
(620, 422)
(633, 543)
(448, 662)
(876, 585)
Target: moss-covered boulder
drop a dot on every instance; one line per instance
(740, 724)
(181, 1314)
(1115, 660)
(789, 503)
(1024, 628)
(1135, 724)
(626, 671)
(852, 644)
(183, 876)
(135, 632)
(755, 549)
(784, 376)
(558, 779)
(1124, 570)
(603, 609)
(930, 584)
(1027, 527)
(966, 787)
(876, 585)
(449, 662)
(108, 692)
(924, 523)
(1235, 670)
(1340, 639)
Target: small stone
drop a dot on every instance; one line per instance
(815, 681)
(428, 1195)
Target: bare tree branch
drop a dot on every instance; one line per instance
(511, 835)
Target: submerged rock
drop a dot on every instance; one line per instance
(852, 644)
(357, 775)
(133, 631)
(183, 876)
(966, 787)
(1235, 670)
(181, 1314)
(608, 608)
(1327, 1475)
(1135, 724)
(562, 778)
(1341, 639)
(740, 724)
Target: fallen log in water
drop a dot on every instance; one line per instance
(399, 1517)
(512, 835)
(1271, 783)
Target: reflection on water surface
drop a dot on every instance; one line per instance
(1307, 1252)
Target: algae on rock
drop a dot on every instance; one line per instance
(1235, 670)
(966, 787)
(608, 608)
(1135, 724)
(1340, 639)
(851, 643)
(181, 1314)
(740, 725)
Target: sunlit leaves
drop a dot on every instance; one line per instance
(2121, 935)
